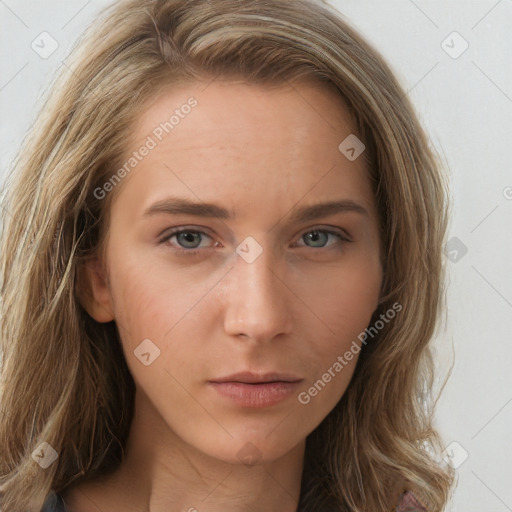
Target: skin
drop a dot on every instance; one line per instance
(261, 153)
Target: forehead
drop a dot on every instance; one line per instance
(237, 106)
(246, 142)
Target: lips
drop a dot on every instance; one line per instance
(258, 378)
(256, 390)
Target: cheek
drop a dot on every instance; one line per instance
(341, 308)
(349, 304)
(151, 313)
(171, 309)
(342, 298)
(149, 301)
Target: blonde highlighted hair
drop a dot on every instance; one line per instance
(63, 376)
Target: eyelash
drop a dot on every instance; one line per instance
(191, 252)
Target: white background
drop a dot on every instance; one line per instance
(466, 105)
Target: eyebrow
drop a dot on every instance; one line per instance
(182, 206)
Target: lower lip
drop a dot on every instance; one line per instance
(256, 395)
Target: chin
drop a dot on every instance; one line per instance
(251, 450)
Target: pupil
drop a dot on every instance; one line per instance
(189, 237)
(314, 235)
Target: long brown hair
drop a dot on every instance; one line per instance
(64, 380)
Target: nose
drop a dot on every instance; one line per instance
(257, 299)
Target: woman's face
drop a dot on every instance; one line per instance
(263, 280)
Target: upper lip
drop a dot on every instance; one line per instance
(255, 378)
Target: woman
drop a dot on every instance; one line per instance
(282, 360)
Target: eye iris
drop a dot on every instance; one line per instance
(313, 236)
(187, 236)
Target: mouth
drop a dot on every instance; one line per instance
(254, 390)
